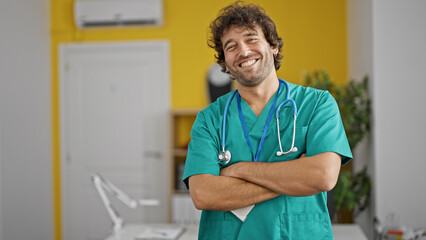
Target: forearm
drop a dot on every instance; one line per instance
(222, 193)
(301, 177)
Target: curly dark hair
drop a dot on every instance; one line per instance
(245, 15)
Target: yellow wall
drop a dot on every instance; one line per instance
(314, 33)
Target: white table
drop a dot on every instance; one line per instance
(340, 232)
(348, 232)
(129, 232)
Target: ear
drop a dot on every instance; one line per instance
(274, 50)
(226, 70)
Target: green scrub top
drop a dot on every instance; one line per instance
(319, 129)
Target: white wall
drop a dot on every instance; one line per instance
(1, 225)
(26, 161)
(386, 40)
(399, 83)
(359, 38)
(360, 64)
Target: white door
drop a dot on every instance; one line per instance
(114, 121)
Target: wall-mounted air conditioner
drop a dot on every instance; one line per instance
(109, 13)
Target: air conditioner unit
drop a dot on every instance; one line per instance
(107, 13)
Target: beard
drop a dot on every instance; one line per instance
(249, 81)
(256, 75)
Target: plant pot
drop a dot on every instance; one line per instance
(344, 216)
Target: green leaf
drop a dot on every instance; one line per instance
(352, 191)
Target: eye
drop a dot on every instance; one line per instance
(253, 39)
(230, 47)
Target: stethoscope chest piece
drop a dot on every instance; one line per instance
(224, 157)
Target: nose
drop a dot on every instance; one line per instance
(245, 50)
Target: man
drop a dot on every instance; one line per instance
(287, 190)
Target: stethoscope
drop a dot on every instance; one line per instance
(224, 156)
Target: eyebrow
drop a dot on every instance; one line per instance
(249, 34)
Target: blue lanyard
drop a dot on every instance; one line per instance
(265, 129)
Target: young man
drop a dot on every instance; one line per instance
(261, 191)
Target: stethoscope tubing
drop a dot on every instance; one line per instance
(224, 118)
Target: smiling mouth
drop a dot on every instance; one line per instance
(248, 63)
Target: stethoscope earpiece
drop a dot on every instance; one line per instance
(280, 153)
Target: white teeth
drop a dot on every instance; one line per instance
(248, 63)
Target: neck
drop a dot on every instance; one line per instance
(257, 97)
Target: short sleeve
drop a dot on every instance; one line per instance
(326, 132)
(202, 151)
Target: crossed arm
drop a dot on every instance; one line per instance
(246, 183)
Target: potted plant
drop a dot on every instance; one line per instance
(352, 191)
